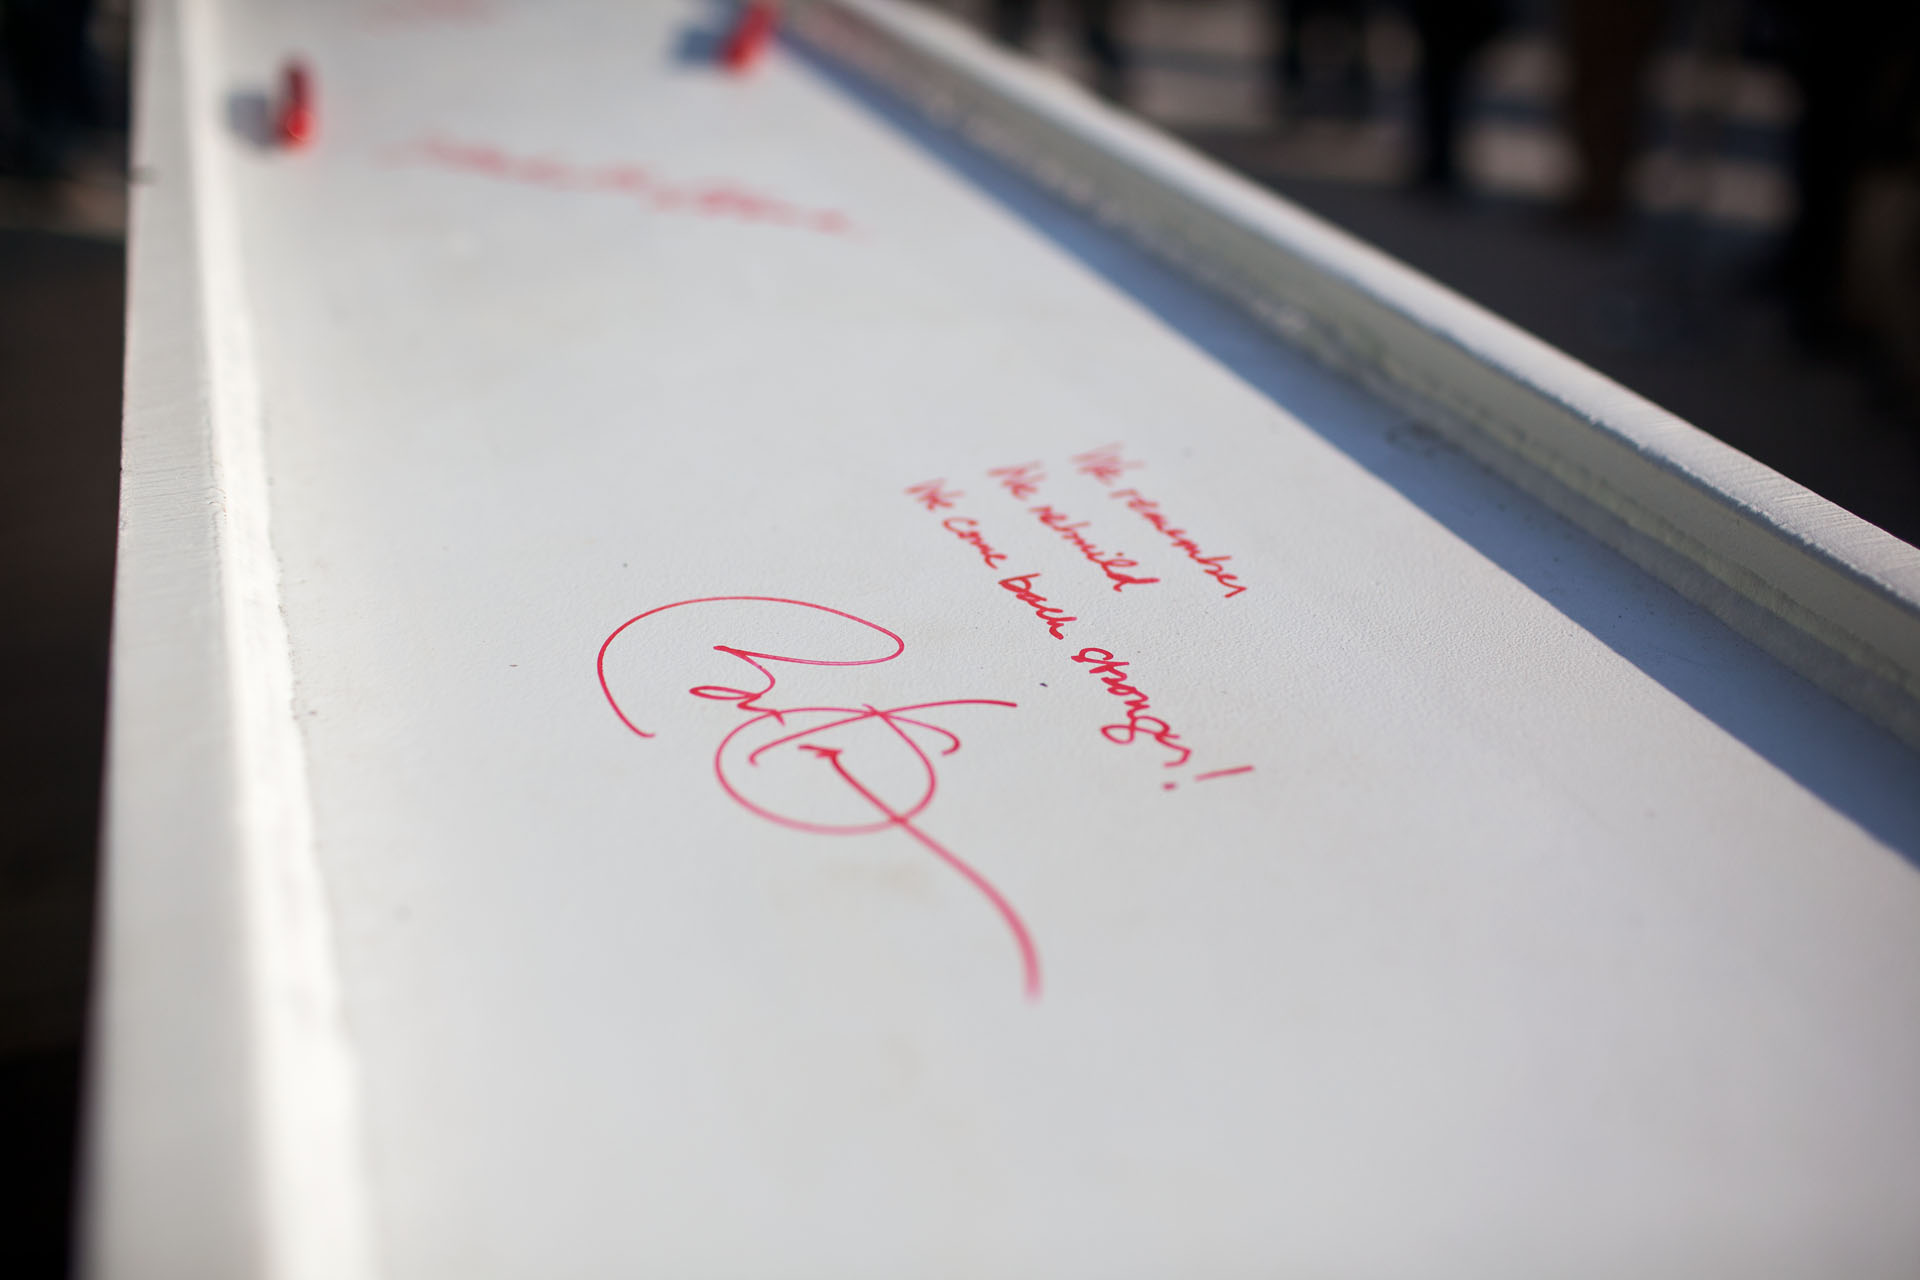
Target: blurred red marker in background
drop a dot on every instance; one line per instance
(750, 35)
(294, 121)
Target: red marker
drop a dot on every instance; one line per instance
(295, 121)
(750, 35)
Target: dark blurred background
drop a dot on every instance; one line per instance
(1716, 202)
(63, 203)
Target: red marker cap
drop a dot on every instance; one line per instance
(750, 35)
(295, 122)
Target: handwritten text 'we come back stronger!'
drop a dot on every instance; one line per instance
(1119, 571)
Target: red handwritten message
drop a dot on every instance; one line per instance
(1024, 481)
(845, 769)
(934, 495)
(1139, 719)
(715, 199)
(1106, 465)
(1021, 584)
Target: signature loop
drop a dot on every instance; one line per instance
(880, 777)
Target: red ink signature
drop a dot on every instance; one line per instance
(712, 199)
(879, 775)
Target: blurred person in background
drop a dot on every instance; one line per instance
(1013, 25)
(1853, 257)
(47, 88)
(1317, 64)
(1452, 34)
(1609, 46)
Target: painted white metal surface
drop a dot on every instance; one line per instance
(1555, 927)
(223, 1123)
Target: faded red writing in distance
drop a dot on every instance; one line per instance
(713, 199)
